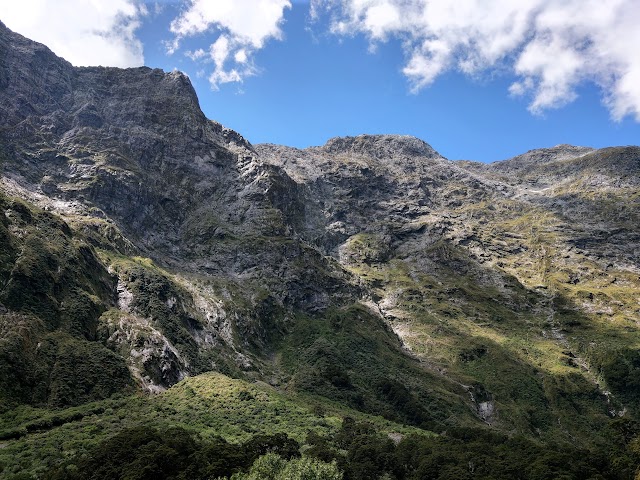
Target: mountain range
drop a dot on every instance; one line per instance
(151, 257)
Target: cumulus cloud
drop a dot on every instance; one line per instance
(552, 46)
(83, 32)
(240, 29)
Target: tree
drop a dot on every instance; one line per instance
(274, 467)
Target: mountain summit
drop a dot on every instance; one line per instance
(381, 146)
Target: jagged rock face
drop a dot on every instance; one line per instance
(381, 147)
(129, 159)
(373, 183)
(115, 138)
(592, 192)
(398, 187)
(513, 286)
(133, 146)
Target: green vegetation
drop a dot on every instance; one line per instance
(210, 425)
(209, 407)
(463, 453)
(142, 453)
(516, 349)
(365, 248)
(55, 289)
(621, 371)
(155, 296)
(349, 355)
(273, 467)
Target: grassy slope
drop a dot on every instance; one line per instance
(542, 332)
(209, 404)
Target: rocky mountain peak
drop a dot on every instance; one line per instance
(381, 146)
(540, 156)
(37, 84)
(233, 139)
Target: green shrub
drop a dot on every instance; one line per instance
(621, 371)
(272, 467)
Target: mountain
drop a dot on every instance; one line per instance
(144, 246)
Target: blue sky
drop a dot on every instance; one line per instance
(298, 80)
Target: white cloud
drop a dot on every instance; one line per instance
(240, 29)
(552, 46)
(219, 50)
(196, 54)
(241, 56)
(83, 32)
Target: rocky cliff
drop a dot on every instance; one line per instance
(143, 243)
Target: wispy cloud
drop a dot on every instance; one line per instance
(85, 33)
(551, 46)
(240, 29)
